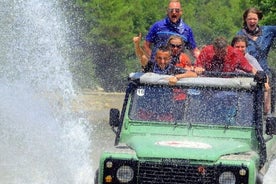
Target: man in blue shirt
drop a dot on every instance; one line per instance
(172, 24)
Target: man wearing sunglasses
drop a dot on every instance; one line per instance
(175, 43)
(171, 25)
(178, 57)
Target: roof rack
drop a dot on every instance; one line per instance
(235, 81)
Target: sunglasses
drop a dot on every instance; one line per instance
(176, 46)
(171, 10)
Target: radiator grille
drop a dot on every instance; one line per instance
(175, 173)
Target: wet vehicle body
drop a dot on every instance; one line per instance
(201, 130)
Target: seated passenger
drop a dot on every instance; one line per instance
(240, 43)
(221, 57)
(162, 65)
(179, 58)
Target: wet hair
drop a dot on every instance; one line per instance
(239, 38)
(163, 48)
(175, 37)
(252, 10)
(174, 1)
(220, 43)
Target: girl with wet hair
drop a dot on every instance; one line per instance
(260, 38)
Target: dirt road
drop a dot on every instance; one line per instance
(96, 105)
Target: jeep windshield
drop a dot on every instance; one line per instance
(215, 106)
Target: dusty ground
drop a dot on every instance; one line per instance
(96, 105)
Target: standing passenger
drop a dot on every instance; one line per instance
(240, 42)
(173, 24)
(260, 38)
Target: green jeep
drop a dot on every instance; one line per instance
(204, 130)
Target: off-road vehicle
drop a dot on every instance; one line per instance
(204, 130)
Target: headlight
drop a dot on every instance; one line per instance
(227, 178)
(125, 174)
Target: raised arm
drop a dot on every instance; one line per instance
(140, 53)
(147, 47)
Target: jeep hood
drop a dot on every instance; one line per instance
(186, 147)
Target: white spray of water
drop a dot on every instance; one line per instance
(42, 140)
(270, 177)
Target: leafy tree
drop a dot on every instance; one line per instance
(109, 30)
(268, 8)
(223, 18)
(81, 66)
(112, 24)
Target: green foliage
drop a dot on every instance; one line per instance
(272, 59)
(268, 8)
(223, 18)
(110, 25)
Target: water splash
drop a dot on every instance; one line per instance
(270, 177)
(42, 140)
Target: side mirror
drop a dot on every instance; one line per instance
(270, 126)
(114, 115)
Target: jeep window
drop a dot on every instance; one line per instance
(195, 106)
